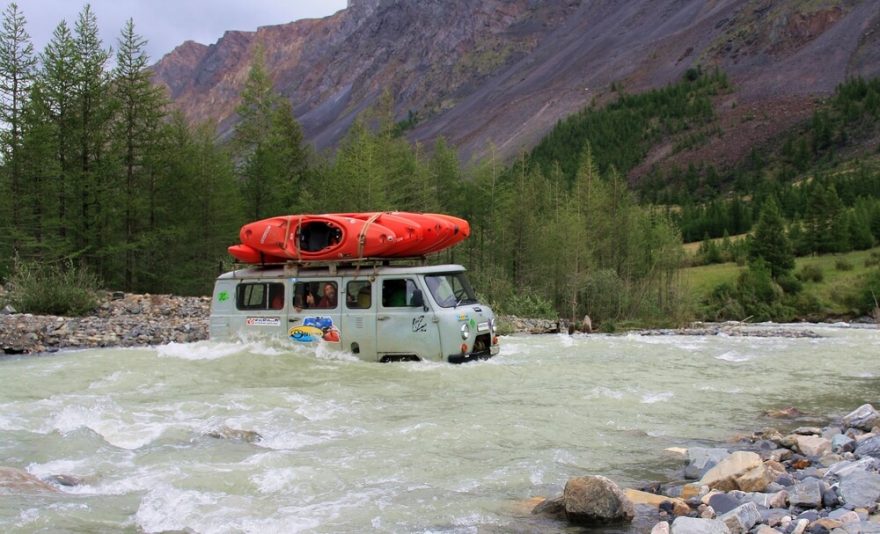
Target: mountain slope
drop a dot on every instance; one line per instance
(505, 71)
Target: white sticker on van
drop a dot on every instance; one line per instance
(263, 321)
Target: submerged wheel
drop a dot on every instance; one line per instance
(400, 358)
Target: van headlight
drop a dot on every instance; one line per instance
(465, 331)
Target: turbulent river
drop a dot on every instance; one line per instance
(348, 446)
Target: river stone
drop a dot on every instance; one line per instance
(723, 503)
(595, 500)
(800, 526)
(807, 494)
(863, 417)
(679, 507)
(755, 480)
(813, 446)
(692, 525)
(15, 481)
(769, 500)
(842, 443)
(723, 476)
(551, 507)
(742, 518)
(764, 529)
(8, 310)
(844, 516)
(869, 447)
(660, 528)
(701, 460)
(846, 467)
(225, 432)
(860, 489)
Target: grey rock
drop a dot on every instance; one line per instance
(844, 468)
(842, 443)
(774, 516)
(692, 525)
(860, 489)
(8, 310)
(809, 515)
(595, 500)
(807, 494)
(723, 503)
(864, 417)
(869, 447)
(742, 518)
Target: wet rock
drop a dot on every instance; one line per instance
(16, 481)
(807, 431)
(860, 489)
(789, 412)
(595, 500)
(66, 480)
(676, 506)
(551, 507)
(864, 417)
(692, 525)
(742, 518)
(249, 436)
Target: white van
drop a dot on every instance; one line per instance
(376, 311)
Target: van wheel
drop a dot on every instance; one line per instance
(400, 358)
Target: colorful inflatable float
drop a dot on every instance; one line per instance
(347, 236)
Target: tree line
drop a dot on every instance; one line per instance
(99, 172)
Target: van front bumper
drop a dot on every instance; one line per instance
(474, 356)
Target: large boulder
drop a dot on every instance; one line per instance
(864, 417)
(724, 475)
(860, 489)
(692, 525)
(595, 500)
(15, 482)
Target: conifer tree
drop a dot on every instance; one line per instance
(135, 135)
(17, 64)
(770, 242)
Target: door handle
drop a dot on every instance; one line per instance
(383, 317)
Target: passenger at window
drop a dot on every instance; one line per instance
(329, 298)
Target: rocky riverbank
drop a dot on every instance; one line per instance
(809, 480)
(122, 320)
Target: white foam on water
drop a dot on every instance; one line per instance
(292, 440)
(59, 467)
(107, 380)
(168, 508)
(203, 350)
(105, 421)
(604, 392)
(653, 398)
(315, 409)
(275, 480)
(325, 351)
(566, 340)
(734, 357)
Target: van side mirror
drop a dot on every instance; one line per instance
(418, 299)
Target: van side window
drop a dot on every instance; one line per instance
(319, 294)
(259, 296)
(397, 293)
(359, 295)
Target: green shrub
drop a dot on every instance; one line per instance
(532, 306)
(52, 288)
(810, 273)
(843, 265)
(789, 283)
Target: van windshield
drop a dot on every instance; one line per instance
(450, 290)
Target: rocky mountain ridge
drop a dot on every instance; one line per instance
(503, 72)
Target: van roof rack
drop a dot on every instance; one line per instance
(332, 265)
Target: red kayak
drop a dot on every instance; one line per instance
(342, 236)
(325, 237)
(249, 254)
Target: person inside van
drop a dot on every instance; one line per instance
(276, 296)
(329, 298)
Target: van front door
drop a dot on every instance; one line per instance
(403, 328)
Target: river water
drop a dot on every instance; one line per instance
(348, 446)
